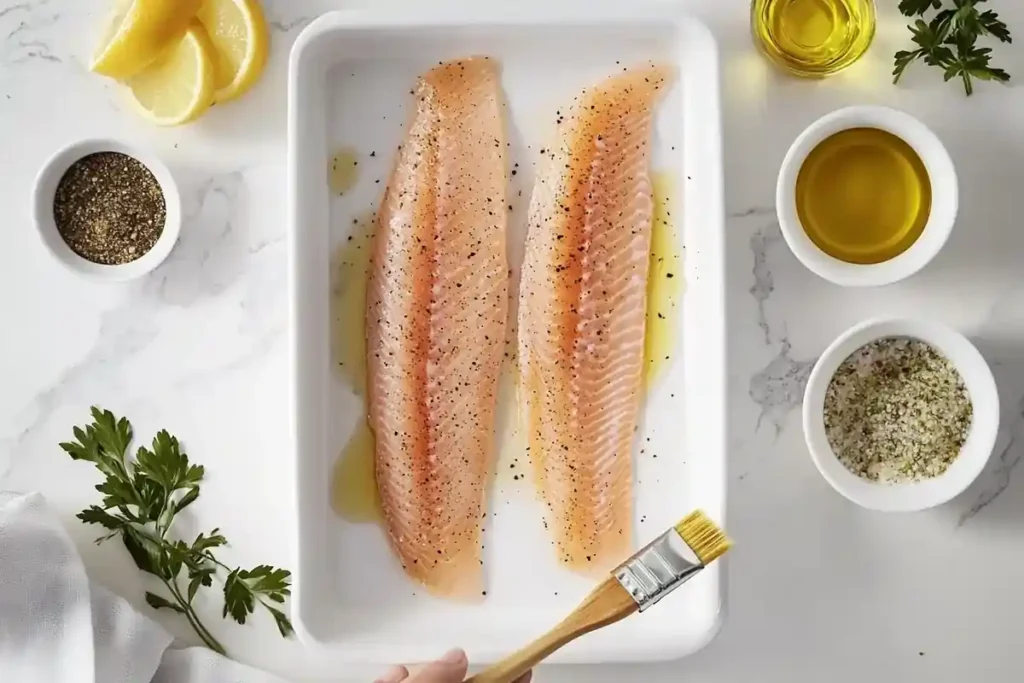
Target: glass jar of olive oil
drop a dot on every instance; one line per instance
(813, 38)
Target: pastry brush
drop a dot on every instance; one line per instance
(637, 584)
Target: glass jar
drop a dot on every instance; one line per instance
(813, 38)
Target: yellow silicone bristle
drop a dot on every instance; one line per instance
(703, 536)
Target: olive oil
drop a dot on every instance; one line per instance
(353, 483)
(343, 171)
(813, 38)
(350, 271)
(863, 196)
(664, 280)
(354, 495)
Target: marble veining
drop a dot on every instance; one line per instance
(1006, 459)
(123, 332)
(213, 255)
(997, 476)
(779, 388)
(760, 244)
(289, 25)
(25, 29)
(210, 255)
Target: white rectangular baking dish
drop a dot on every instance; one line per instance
(350, 75)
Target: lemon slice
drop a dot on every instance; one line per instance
(139, 31)
(179, 86)
(239, 31)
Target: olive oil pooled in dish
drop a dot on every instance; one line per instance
(863, 196)
(664, 281)
(354, 495)
(353, 484)
(343, 171)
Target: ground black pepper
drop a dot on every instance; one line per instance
(109, 208)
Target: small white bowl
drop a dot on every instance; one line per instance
(976, 450)
(944, 207)
(42, 210)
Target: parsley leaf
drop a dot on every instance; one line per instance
(244, 589)
(991, 25)
(156, 602)
(911, 7)
(949, 41)
(141, 498)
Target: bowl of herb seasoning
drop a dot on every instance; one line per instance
(107, 211)
(901, 415)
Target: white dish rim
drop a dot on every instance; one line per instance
(532, 14)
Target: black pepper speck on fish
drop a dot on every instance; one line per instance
(437, 304)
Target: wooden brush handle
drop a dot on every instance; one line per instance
(606, 605)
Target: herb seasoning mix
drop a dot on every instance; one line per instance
(897, 411)
(109, 208)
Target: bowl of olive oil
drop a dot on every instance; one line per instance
(867, 196)
(813, 38)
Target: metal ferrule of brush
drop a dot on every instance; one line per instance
(658, 569)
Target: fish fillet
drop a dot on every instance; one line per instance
(582, 315)
(437, 303)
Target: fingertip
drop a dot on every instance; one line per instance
(451, 667)
(525, 678)
(395, 674)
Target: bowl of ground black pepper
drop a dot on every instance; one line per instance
(901, 415)
(106, 210)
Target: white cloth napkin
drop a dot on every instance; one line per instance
(57, 627)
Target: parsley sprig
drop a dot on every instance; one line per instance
(949, 40)
(141, 499)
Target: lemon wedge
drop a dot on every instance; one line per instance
(239, 31)
(180, 85)
(139, 31)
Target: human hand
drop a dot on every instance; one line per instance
(451, 668)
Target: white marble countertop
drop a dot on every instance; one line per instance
(818, 589)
